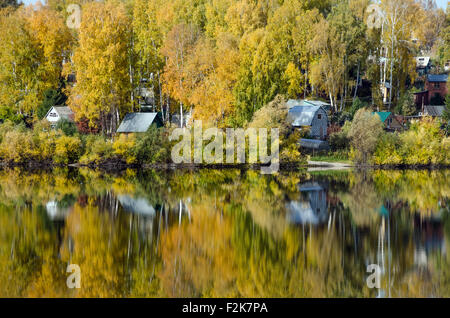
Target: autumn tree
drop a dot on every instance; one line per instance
(364, 132)
(101, 62)
(179, 43)
(33, 45)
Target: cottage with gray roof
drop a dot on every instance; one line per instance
(314, 117)
(139, 122)
(57, 113)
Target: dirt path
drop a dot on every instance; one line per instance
(321, 166)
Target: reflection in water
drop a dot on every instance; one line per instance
(313, 210)
(224, 233)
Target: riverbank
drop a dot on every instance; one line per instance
(117, 165)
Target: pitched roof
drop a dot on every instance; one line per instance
(304, 102)
(63, 112)
(303, 115)
(434, 111)
(383, 115)
(437, 78)
(137, 122)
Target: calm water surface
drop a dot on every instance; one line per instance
(226, 233)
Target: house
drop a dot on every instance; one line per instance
(139, 122)
(423, 65)
(56, 113)
(389, 120)
(313, 117)
(299, 102)
(433, 111)
(436, 85)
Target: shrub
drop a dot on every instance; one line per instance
(67, 127)
(387, 152)
(422, 143)
(124, 148)
(152, 146)
(67, 149)
(98, 149)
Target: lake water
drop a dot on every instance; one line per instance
(229, 233)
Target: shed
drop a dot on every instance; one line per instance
(139, 122)
(314, 117)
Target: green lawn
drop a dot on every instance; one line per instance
(330, 158)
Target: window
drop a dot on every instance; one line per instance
(319, 116)
(437, 85)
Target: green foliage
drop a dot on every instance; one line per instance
(406, 105)
(357, 105)
(340, 140)
(67, 127)
(152, 146)
(446, 114)
(51, 97)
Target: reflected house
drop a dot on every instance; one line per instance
(428, 239)
(313, 210)
(141, 208)
(56, 212)
(138, 206)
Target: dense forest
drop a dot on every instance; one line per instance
(222, 59)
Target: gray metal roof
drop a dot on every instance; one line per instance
(304, 102)
(434, 111)
(437, 78)
(303, 115)
(136, 122)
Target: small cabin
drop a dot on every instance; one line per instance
(390, 121)
(313, 117)
(57, 113)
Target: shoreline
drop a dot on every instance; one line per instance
(311, 165)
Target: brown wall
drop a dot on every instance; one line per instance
(434, 88)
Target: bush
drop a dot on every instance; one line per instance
(387, 152)
(124, 148)
(152, 146)
(423, 144)
(67, 127)
(67, 149)
(98, 150)
(339, 140)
